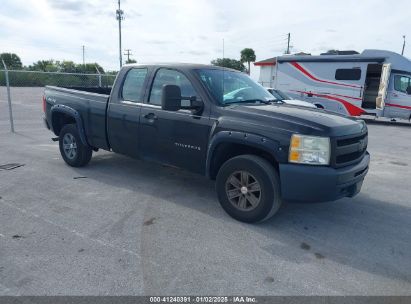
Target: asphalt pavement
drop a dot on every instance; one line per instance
(125, 227)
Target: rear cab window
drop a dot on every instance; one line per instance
(133, 86)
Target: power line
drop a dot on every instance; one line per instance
(119, 16)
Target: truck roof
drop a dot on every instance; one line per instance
(180, 65)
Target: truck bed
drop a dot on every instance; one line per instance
(97, 90)
(91, 104)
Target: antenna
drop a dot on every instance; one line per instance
(403, 45)
(288, 43)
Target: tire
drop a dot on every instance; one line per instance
(237, 183)
(72, 150)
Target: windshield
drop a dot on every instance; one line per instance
(280, 95)
(233, 87)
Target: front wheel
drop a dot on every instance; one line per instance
(72, 150)
(248, 188)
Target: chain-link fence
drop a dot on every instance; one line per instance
(21, 78)
(18, 79)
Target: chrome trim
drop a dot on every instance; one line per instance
(150, 106)
(131, 103)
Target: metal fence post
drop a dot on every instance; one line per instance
(99, 76)
(6, 72)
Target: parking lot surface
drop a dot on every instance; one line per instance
(124, 227)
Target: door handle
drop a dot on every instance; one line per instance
(150, 116)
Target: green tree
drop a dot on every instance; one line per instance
(248, 55)
(44, 65)
(12, 61)
(90, 68)
(131, 61)
(229, 63)
(67, 66)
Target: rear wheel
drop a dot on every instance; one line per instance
(73, 151)
(248, 188)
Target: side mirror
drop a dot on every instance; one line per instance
(171, 100)
(194, 104)
(171, 97)
(408, 90)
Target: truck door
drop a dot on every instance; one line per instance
(382, 91)
(399, 97)
(123, 113)
(178, 138)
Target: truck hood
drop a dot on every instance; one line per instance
(298, 119)
(297, 102)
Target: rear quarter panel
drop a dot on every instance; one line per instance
(90, 106)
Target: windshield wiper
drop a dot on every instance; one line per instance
(252, 100)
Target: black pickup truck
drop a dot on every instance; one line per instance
(219, 123)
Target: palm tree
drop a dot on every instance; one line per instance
(248, 55)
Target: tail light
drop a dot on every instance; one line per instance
(44, 103)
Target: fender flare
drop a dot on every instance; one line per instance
(74, 114)
(255, 141)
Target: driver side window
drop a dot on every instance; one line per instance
(167, 76)
(401, 83)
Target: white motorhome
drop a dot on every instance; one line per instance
(374, 82)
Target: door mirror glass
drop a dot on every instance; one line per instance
(193, 104)
(171, 97)
(408, 90)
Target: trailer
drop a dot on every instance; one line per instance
(375, 82)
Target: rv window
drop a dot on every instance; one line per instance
(348, 74)
(401, 83)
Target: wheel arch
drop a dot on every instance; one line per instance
(62, 115)
(227, 144)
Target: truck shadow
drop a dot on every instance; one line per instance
(398, 123)
(363, 233)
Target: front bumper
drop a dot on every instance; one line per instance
(46, 123)
(306, 183)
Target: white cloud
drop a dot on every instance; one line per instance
(192, 31)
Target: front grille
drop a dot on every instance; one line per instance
(351, 140)
(349, 150)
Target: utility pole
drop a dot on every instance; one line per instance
(223, 48)
(288, 43)
(119, 16)
(128, 54)
(403, 45)
(84, 62)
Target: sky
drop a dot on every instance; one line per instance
(194, 30)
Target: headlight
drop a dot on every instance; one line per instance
(311, 150)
